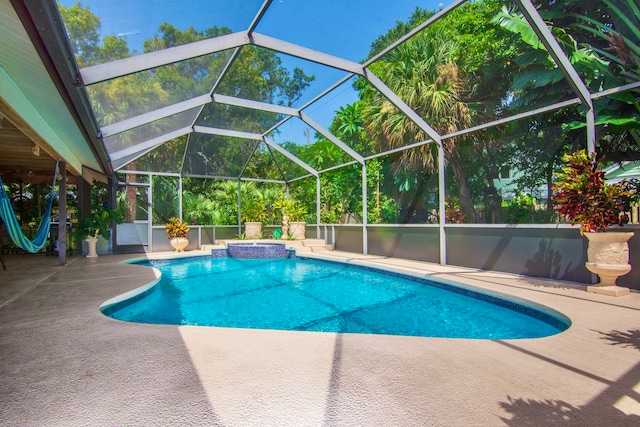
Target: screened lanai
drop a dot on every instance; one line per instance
(420, 129)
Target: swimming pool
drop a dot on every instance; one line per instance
(306, 295)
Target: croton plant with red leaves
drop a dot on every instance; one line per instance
(584, 197)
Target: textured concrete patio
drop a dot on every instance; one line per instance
(63, 363)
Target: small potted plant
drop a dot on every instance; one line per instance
(253, 213)
(177, 232)
(97, 223)
(584, 197)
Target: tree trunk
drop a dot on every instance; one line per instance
(466, 203)
(131, 196)
(417, 196)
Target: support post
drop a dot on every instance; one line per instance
(365, 237)
(318, 206)
(239, 209)
(180, 197)
(150, 213)
(62, 215)
(591, 131)
(441, 205)
(113, 202)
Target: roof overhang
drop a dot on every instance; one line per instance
(36, 98)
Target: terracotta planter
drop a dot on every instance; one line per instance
(608, 257)
(179, 243)
(252, 230)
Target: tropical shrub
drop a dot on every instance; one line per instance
(453, 212)
(175, 227)
(585, 198)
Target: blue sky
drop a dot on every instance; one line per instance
(343, 28)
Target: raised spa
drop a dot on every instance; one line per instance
(255, 250)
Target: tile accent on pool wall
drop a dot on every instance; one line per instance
(263, 251)
(219, 253)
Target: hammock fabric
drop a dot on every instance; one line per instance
(13, 225)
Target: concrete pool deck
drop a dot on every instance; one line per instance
(63, 363)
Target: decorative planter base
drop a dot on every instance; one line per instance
(608, 257)
(91, 247)
(612, 291)
(179, 243)
(252, 230)
(298, 230)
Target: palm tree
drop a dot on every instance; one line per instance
(423, 74)
(226, 199)
(198, 209)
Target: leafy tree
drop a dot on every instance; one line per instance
(164, 203)
(537, 147)
(83, 29)
(423, 74)
(600, 40)
(456, 73)
(257, 74)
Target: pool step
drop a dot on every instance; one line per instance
(303, 246)
(311, 245)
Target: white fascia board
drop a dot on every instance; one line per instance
(399, 103)
(147, 61)
(67, 150)
(152, 116)
(150, 143)
(306, 53)
(227, 132)
(290, 156)
(331, 137)
(254, 105)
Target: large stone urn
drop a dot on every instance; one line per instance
(179, 243)
(608, 257)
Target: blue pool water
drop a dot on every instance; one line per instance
(295, 294)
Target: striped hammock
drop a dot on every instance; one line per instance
(13, 225)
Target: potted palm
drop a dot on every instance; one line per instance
(97, 223)
(177, 232)
(584, 197)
